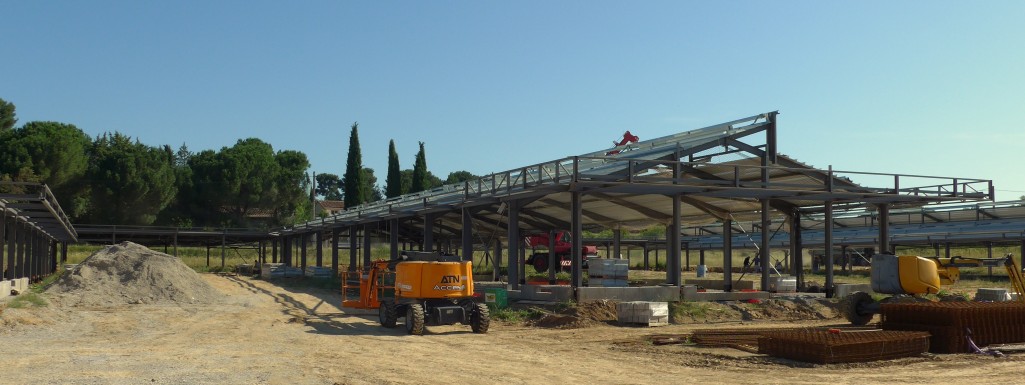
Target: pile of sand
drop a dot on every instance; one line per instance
(130, 273)
(580, 316)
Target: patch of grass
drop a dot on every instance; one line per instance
(30, 299)
(516, 315)
(689, 309)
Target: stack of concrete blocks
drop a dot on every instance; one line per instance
(319, 272)
(5, 289)
(18, 285)
(992, 295)
(643, 312)
(779, 284)
(279, 270)
(603, 272)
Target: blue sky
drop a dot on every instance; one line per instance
(914, 87)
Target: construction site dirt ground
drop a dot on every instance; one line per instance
(262, 333)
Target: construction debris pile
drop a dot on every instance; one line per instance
(129, 273)
(950, 323)
(835, 346)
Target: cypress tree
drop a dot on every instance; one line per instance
(394, 181)
(354, 178)
(419, 172)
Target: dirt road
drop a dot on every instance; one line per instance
(265, 334)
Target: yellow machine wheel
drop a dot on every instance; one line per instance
(415, 319)
(480, 318)
(386, 314)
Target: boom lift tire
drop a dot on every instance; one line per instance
(480, 318)
(387, 314)
(853, 308)
(415, 319)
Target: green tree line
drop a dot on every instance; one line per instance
(115, 179)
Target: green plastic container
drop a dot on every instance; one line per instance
(496, 297)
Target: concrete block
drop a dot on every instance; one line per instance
(726, 296)
(5, 289)
(552, 293)
(20, 284)
(318, 272)
(843, 289)
(779, 284)
(719, 284)
(643, 312)
(992, 295)
(627, 294)
(479, 286)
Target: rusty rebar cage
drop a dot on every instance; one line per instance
(950, 323)
(831, 347)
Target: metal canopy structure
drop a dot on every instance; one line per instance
(718, 174)
(31, 226)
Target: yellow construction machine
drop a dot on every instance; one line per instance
(424, 288)
(910, 275)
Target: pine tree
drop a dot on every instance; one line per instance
(394, 181)
(355, 188)
(419, 172)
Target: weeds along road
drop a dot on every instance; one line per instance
(266, 334)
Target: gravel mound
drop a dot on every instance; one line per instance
(129, 273)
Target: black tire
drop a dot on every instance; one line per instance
(480, 318)
(852, 307)
(386, 314)
(540, 263)
(415, 319)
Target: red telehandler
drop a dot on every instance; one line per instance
(563, 246)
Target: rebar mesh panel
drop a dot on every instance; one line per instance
(949, 322)
(824, 347)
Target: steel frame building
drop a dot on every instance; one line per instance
(713, 176)
(32, 226)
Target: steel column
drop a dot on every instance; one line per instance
(766, 260)
(12, 232)
(53, 256)
(673, 246)
(828, 233)
(21, 273)
(498, 260)
(884, 229)
(617, 236)
(353, 247)
(393, 238)
(686, 255)
(335, 234)
(513, 233)
(797, 248)
(727, 253)
(367, 255)
(429, 233)
(577, 250)
(303, 242)
(274, 250)
(467, 235)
